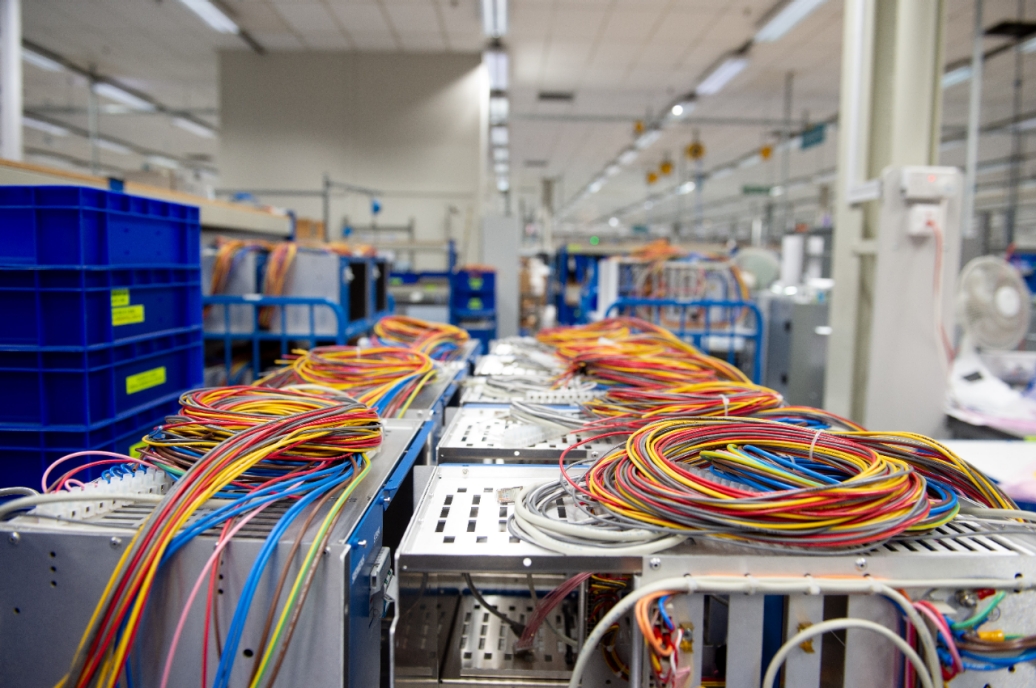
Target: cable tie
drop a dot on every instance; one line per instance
(813, 444)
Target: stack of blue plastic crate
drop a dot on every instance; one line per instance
(473, 303)
(100, 322)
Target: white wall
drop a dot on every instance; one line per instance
(409, 125)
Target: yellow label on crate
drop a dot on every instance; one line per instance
(120, 297)
(146, 380)
(127, 315)
(135, 449)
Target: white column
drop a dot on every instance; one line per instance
(11, 79)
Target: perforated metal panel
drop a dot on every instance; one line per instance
(493, 364)
(476, 435)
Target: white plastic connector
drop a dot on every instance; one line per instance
(563, 395)
(108, 490)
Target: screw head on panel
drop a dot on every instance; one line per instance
(861, 564)
(14, 538)
(655, 563)
(115, 541)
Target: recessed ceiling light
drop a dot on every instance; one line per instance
(212, 15)
(722, 75)
(45, 127)
(786, 19)
(41, 61)
(194, 128)
(121, 95)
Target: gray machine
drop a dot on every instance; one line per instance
(796, 349)
(743, 597)
(54, 572)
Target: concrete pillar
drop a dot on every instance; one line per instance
(11, 80)
(889, 115)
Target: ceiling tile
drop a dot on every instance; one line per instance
(305, 16)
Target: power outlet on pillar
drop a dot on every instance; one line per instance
(923, 219)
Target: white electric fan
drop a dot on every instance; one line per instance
(759, 267)
(993, 310)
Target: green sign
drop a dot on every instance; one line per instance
(814, 136)
(756, 190)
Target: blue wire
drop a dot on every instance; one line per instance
(237, 625)
(665, 617)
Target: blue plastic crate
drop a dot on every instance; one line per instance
(25, 454)
(89, 308)
(471, 282)
(71, 226)
(81, 388)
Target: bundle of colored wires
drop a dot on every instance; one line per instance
(543, 609)
(605, 590)
(751, 481)
(385, 378)
(210, 416)
(571, 340)
(278, 265)
(807, 417)
(440, 341)
(229, 253)
(638, 405)
(662, 637)
(349, 427)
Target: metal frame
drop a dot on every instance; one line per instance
(459, 526)
(730, 339)
(346, 330)
(54, 572)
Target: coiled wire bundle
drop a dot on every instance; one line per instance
(750, 481)
(385, 378)
(440, 341)
(638, 405)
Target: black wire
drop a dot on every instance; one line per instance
(517, 628)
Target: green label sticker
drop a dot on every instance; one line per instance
(135, 449)
(127, 315)
(146, 380)
(120, 297)
(475, 304)
(475, 282)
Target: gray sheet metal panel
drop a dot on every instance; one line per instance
(54, 606)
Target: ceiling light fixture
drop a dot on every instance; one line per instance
(685, 188)
(45, 127)
(614, 222)
(612, 170)
(194, 127)
(41, 61)
(627, 156)
(647, 138)
(121, 95)
(498, 136)
(596, 185)
(722, 172)
(113, 147)
(496, 62)
(956, 76)
(503, 185)
(501, 155)
(750, 161)
(494, 18)
(722, 75)
(163, 161)
(212, 15)
(499, 108)
(786, 19)
(501, 168)
(681, 109)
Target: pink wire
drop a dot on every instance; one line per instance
(64, 480)
(223, 542)
(929, 610)
(83, 453)
(908, 668)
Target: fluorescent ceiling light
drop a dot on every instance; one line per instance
(503, 184)
(120, 95)
(41, 61)
(646, 139)
(52, 160)
(212, 15)
(627, 156)
(194, 128)
(498, 109)
(722, 75)
(956, 76)
(951, 144)
(496, 62)
(612, 170)
(501, 154)
(777, 191)
(786, 19)
(1026, 124)
(596, 185)
(1028, 46)
(614, 222)
(45, 127)
(113, 147)
(163, 161)
(750, 161)
(498, 136)
(501, 168)
(677, 110)
(648, 205)
(494, 18)
(685, 188)
(681, 109)
(722, 172)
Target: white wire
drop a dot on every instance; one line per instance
(836, 625)
(807, 585)
(50, 498)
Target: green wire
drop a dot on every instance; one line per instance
(981, 617)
